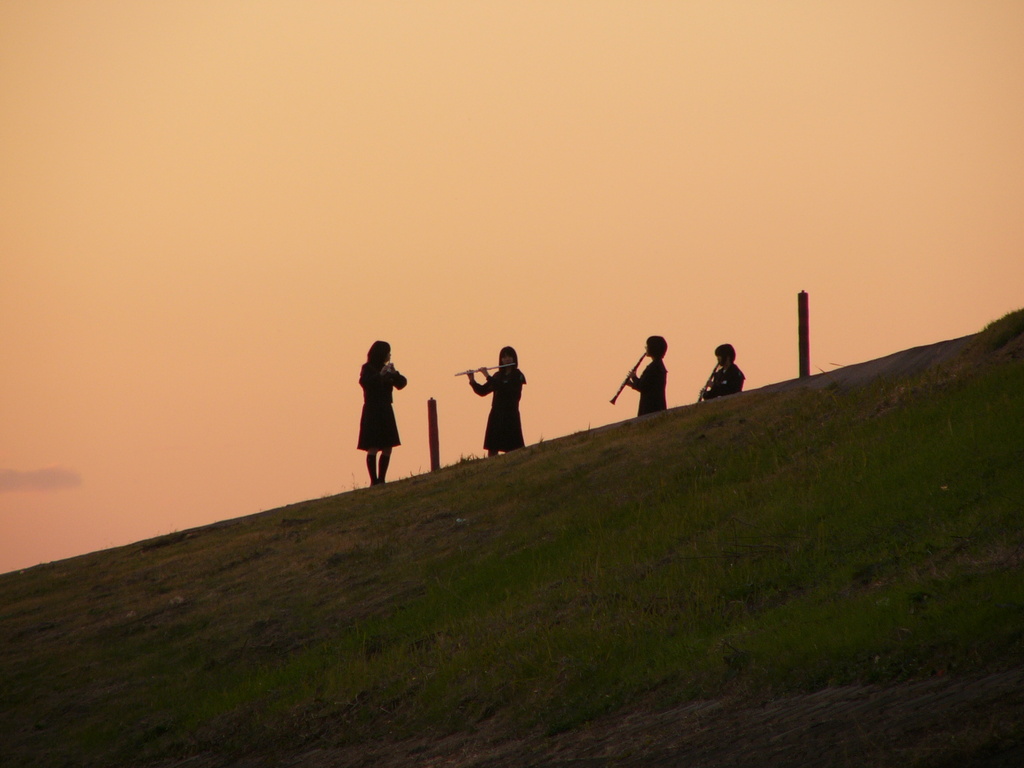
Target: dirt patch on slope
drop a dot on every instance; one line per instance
(906, 363)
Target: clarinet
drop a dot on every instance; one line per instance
(711, 378)
(629, 375)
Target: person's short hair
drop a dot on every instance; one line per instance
(726, 351)
(657, 346)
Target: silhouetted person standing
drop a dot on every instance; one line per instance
(726, 378)
(378, 430)
(504, 424)
(651, 383)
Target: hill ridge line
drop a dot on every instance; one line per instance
(897, 364)
(906, 362)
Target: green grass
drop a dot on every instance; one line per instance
(760, 544)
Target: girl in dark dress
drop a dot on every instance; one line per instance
(651, 383)
(378, 430)
(727, 378)
(504, 425)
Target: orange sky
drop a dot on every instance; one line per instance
(210, 210)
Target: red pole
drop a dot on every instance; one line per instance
(804, 334)
(435, 451)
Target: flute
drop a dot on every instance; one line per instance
(629, 375)
(492, 368)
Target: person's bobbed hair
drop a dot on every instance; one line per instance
(378, 354)
(657, 346)
(726, 351)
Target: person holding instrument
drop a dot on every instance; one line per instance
(726, 378)
(378, 430)
(651, 383)
(504, 426)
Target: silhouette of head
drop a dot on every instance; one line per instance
(508, 352)
(378, 354)
(657, 347)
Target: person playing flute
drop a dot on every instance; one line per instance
(651, 383)
(504, 426)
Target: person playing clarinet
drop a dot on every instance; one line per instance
(378, 430)
(651, 383)
(504, 425)
(726, 378)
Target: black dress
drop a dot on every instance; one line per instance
(377, 425)
(652, 388)
(725, 382)
(504, 425)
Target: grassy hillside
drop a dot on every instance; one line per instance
(761, 544)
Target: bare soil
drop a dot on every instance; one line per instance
(899, 364)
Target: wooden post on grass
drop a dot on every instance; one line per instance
(435, 450)
(804, 333)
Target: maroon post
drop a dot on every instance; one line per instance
(804, 332)
(435, 450)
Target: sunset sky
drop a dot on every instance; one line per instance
(210, 209)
